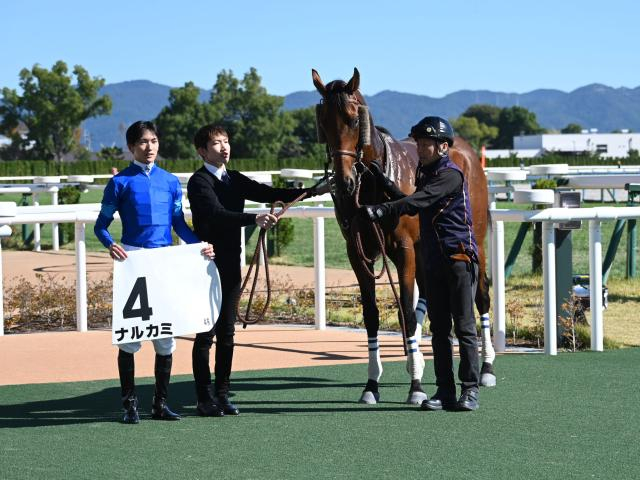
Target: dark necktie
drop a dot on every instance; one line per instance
(225, 178)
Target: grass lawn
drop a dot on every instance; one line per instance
(570, 416)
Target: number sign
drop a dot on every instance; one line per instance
(164, 292)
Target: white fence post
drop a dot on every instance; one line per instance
(81, 278)
(318, 264)
(5, 231)
(595, 285)
(260, 252)
(36, 226)
(549, 285)
(55, 240)
(497, 276)
(243, 248)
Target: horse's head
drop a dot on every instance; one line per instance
(344, 124)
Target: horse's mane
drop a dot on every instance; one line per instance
(338, 96)
(382, 129)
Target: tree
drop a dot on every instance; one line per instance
(178, 122)
(572, 128)
(304, 139)
(486, 114)
(515, 121)
(52, 107)
(475, 132)
(111, 153)
(258, 126)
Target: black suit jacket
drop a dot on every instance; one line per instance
(218, 208)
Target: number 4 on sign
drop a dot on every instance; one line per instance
(139, 290)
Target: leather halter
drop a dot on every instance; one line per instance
(346, 153)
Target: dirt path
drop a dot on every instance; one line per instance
(61, 264)
(74, 356)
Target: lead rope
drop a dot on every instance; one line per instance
(261, 246)
(356, 235)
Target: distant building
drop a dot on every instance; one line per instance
(607, 145)
(524, 153)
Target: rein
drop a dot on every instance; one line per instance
(355, 231)
(261, 246)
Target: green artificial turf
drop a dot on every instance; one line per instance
(570, 416)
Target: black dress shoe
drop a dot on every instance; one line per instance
(226, 406)
(131, 411)
(209, 409)
(468, 401)
(161, 411)
(441, 400)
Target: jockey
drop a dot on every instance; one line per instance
(450, 254)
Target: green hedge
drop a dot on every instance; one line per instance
(102, 167)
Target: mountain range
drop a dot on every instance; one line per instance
(592, 106)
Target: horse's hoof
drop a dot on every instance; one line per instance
(488, 380)
(416, 398)
(487, 377)
(370, 398)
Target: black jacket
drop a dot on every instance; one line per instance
(218, 208)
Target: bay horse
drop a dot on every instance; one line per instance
(344, 124)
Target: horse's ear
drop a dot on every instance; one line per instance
(317, 81)
(354, 83)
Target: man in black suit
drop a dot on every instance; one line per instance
(217, 197)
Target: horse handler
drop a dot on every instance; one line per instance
(217, 195)
(451, 260)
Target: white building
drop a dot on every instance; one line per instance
(607, 145)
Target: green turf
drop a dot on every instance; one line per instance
(571, 416)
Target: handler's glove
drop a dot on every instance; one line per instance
(320, 188)
(372, 213)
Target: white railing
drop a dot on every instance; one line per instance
(82, 214)
(548, 216)
(87, 213)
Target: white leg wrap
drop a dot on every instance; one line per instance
(375, 364)
(420, 312)
(488, 353)
(415, 360)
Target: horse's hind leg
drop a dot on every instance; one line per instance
(483, 303)
(371, 318)
(421, 305)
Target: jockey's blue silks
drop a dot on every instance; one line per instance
(149, 205)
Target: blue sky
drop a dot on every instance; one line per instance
(423, 47)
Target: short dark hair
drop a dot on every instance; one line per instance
(205, 134)
(137, 129)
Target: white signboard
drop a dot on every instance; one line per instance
(164, 292)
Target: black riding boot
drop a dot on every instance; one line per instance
(159, 409)
(126, 369)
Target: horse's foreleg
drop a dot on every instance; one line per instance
(405, 263)
(371, 317)
(487, 376)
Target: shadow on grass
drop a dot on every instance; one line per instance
(252, 396)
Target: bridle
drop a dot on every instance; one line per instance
(353, 226)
